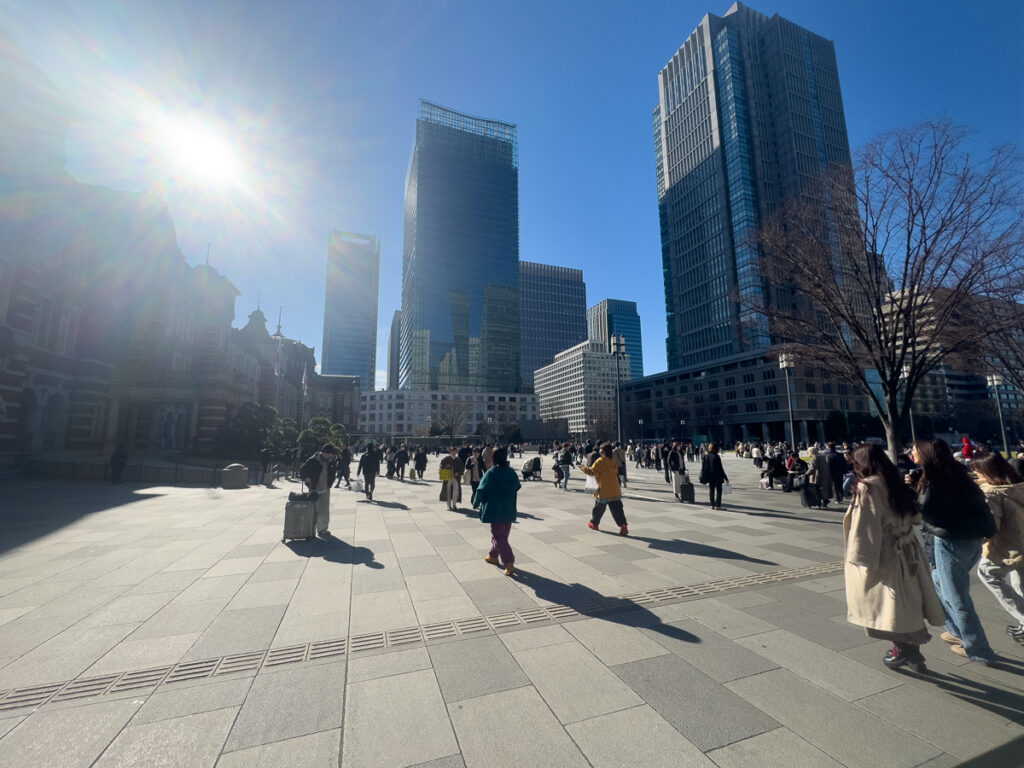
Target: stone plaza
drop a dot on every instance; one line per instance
(170, 626)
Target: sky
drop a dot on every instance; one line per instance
(318, 102)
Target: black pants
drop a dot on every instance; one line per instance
(617, 512)
(715, 494)
(343, 474)
(369, 483)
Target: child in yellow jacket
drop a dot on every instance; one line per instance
(608, 494)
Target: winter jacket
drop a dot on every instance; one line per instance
(1006, 502)
(712, 470)
(948, 517)
(675, 462)
(496, 495)
(607, 473)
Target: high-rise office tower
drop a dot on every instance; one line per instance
(350, 307)
(460, 261)
(749, 112)
(394, 342)
(552, 314)
(613, 317)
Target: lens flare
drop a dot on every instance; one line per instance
(198, 153)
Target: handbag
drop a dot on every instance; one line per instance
(444, 473)
(591, 484)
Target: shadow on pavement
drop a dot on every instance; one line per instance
(764, 512)
(999, 701)
(334, 551)
(589, 602)
(388, 504)
(680, 547)
(475, 513)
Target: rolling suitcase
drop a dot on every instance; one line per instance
(684, 488)
(810, 496)
(299, 520)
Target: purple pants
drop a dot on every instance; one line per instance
(499, 543)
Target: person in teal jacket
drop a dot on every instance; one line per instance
(495, 497)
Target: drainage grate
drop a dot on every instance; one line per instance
(36, 696)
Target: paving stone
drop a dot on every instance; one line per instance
(190, 742)
(638, 736)
(205, 696)
(423, 565)
(444, 609)
(262, 593)
(518, 726)
(452, 761)
(818, 602)
(362, 668)
(131, 654)
(242, 631)
(474, 667)
(317, 750)
(780, 747)
(212, 588)
(66, 738)
(812, 626)
(707, 714)
(180, 618)
(277, 706)
(813, 713)
(63, 657)
(716, 614)
(613, 642)
(497, 594)
(251, 550)
(8, 723)
(417, 724)
(166, 581)
(380, 611)
(433, 586)
(811, 555)
(535, 637)
(128, 609)
(714, 655)
(277, 571)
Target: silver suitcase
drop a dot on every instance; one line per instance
(299, 520)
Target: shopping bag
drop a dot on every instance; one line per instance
(763, 483)
(445, 474)
(726, 489)
(591, 484)
(357, 486)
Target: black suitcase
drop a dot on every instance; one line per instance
(810, 496)
(686, 493)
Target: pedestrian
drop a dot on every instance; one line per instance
(389, 462)
(889, 591)
(117, 463)
(401, 460)
(318, 474)
(564, 462)
(663, 453)
(608, 493)
(450, 471)
(676, 464)
(475, 469)
(420, 461)
(956, 514)
(712, 474)
(488, 457)
(1003, 553)
(369, 468)
(620, 459)
(495, 497)
(344, 465)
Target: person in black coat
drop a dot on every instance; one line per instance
(420, 461)
(713, 474)
(369, 468)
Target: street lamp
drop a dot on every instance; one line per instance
(721, 423)
(682, 428)
(785, 363)
(910, 409)
(618, 343)
(995, 381)
(641, 423)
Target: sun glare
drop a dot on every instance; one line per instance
(198, 153)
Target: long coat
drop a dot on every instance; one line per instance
(457, 467)
(888, 581)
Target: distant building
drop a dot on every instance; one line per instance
(460, 264)
(552, 314)
(412, 413)
(579, 385)
(394, 347)
(613, 317)
(350, 307)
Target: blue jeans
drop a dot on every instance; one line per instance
(954, 559)
(565, 476)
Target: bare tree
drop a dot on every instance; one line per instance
(452, 416)
(881, 275)
(1004, 353)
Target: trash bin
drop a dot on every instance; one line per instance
(234, 476)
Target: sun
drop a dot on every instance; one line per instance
(198, 152)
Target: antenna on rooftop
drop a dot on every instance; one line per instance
(279, 309)
(207, 254)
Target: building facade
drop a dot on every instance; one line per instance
(613, 317)
(350, 307)
(552, 314)
(750, 111)
(394, 343)
(579, 386)
(389, 414)
(460, 261)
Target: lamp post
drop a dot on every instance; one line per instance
(995, 381)
(785, 363)
(682, 428)
(641, 423)
(910, 408)
(618, 343)
(721, 423)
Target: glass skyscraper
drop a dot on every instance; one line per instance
(749, 112)
(350, 307)
(552, 314)
(460, 261)
(614, 317)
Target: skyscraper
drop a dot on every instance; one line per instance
(394, 342)
(350, 307)
(613, 317)
(460, 261)
(552, 314)
(749, 112)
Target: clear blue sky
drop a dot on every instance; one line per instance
(321, 100)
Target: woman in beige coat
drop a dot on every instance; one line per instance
(889, 590)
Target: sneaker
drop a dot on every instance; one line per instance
(909, 656)
(623, 530)
(510, 570)
(1016, 632)
(325, 534)
(491, 560)
(591, 526)
(950, 638)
